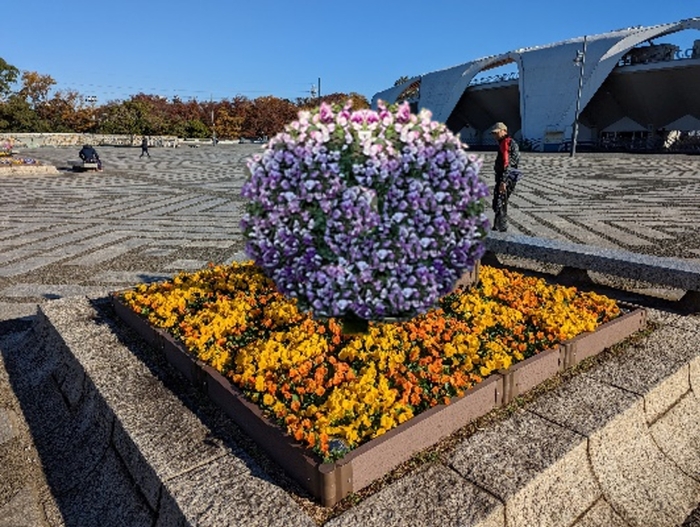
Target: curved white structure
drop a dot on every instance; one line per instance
(544, 109)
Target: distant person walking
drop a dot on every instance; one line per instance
(144, 147)
(507, 158)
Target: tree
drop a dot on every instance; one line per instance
(359, 101)
(267, 116)
(8, 76)
(35, 87)
(231, 115)
(17, 115)
(228, 124)
(67, 111)
(196, 129)
(155, 112)
(126, 117)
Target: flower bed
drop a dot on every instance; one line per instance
(370, 401)
(13, 161)
(332, 392)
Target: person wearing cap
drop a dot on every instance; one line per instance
(508, 157)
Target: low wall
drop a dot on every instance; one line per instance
(32, 140)
(26, 170)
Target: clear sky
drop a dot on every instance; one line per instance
(217, 49)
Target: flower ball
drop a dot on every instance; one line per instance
(369, 214)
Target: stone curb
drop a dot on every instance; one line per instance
(120, 448)
(602, 449)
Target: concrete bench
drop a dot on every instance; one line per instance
(578, 259)
(83, 165)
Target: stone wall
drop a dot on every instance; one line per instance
(32, 140)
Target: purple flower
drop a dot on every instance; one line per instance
(376, 213)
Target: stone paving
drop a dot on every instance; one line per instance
(86, 234)
(139, 220)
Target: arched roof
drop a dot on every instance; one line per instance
(548, 79)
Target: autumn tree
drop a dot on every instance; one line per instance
(359, 102)
(68, 111)
(32, 108)
(35, 87)
(231, 115)
(18, 111)
(267, 116)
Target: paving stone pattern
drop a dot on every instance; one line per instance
(86, 234)
(143, 219)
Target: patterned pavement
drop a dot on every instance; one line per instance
(144, 219)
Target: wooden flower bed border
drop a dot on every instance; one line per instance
(331, 482)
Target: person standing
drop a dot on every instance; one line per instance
(144, 147)
(508, 157)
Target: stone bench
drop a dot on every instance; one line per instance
(83, 165)
(578, 259)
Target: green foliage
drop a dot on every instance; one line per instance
(8, 76)
(17, 115)
(196, 129)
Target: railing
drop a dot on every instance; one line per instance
(663, 55)
(652, 55)
(491, 79)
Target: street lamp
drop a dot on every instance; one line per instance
(316, 91)
(92, 99)
(580, 61)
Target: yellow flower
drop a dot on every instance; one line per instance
(321, 384)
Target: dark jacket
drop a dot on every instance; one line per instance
(508, 156)
(88, 153)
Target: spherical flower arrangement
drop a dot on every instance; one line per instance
(365, 214)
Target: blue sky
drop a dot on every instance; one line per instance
(217, 49)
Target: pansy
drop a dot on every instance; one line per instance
(346, 208)
(332, 392)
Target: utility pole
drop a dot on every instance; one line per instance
(213, 128)
(580, 61)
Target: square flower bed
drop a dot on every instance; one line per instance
(339, 411)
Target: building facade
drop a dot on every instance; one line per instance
(624, 88)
